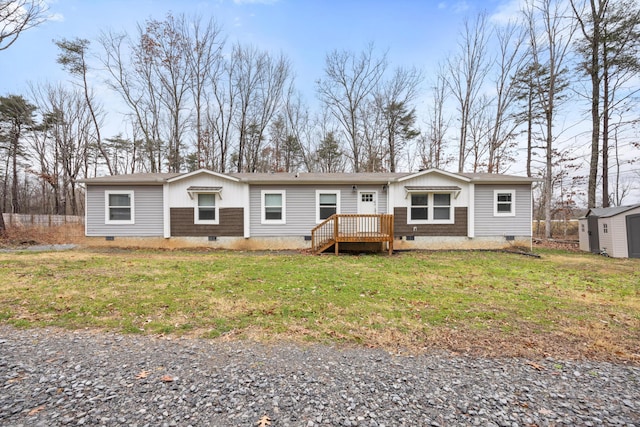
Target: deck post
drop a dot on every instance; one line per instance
(335, 233)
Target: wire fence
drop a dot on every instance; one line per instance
(28, 228)
(33, 220)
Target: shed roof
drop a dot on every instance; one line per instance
(610, 211)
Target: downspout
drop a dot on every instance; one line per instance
(471, 212)
(166, 211)
(247, 210)
(86, 209)
(531, 217)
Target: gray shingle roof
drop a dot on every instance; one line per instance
(301, 178)
(611, 211)
(309, 178)
(133, 178)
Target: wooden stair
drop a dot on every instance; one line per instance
(352, 228)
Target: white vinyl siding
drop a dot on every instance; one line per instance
(488, 224)
(147, 206)
(301, 207)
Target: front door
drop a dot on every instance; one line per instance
(633, 235)
(594, 238)
(367, 204)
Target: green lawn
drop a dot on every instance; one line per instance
(482, 302)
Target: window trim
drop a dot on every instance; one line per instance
(263, 219)
(430, 209)
(196, 209)
(605, 228)
(107, 207)
(318, 193)
(496, 193)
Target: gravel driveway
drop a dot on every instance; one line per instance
(54, 378)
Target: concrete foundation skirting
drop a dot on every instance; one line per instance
(450, 243)
(299, 242)
(231, 243)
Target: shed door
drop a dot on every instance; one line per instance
(633, 235)
(594, 240)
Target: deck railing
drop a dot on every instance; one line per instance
(340, 228)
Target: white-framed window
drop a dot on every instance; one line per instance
(442, 207)
(206, 212)
(431, 208)
(419, 207)
(119, 207)
(274, 206)
(504, 203)
(327, 204)
(605, 228)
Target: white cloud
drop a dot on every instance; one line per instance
(507, 12)
(55, 17)
(460, 7)
(457, 7)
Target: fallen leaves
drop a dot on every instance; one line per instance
(34, 411)
(264, 421)
(145, 374)
(142, 375)
(536, 366)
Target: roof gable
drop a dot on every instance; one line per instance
(434, 171)
(201, 172)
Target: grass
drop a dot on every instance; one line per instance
(568, 304)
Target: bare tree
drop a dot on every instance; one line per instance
(163, 48)
(610, 47)
(394, 99)
(350, 79)
(550, 35)
(300, 126)
(223, 103)
(502, 126)
(467, 71)
(204, 56)
(433, 144)
(260, 81)
(17, 16)
(132, 77)
(593, 37)
(73, 57)
(68, 126)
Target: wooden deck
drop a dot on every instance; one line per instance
(352, 228)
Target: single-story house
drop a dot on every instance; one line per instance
(614, 231)
(430, 209)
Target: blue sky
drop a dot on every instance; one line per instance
(414, 32)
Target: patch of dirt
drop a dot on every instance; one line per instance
(566, 245)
